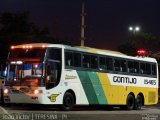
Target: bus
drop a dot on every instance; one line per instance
(54, 74)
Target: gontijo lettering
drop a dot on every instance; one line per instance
(120, 79)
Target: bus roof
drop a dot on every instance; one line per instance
(87, 49)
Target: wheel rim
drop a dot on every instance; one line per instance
(68, 101)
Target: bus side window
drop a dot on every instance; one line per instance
(68, 58)
(77, 59)
(102, 63)
(136, 67)
(86, 61)
(142, 68)
(148, 68)
(123, 66)
(94, 62)
(153, 69)
(116, 65)
(109, 63)
(131, 67)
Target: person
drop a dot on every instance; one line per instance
(1, 92)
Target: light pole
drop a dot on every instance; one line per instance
(134, 29)
(82, 23)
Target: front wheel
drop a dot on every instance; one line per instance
(138, 102)
(68, 101)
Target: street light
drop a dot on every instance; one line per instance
(134, 29)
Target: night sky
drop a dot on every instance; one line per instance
(107, 21)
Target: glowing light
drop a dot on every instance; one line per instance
(141, 52)
(19, 62)
(130, 28)
(36, 91)
(43, 46)
(6, 91)
(36, 66)
(137, 29)
(16, 62)
(30, 46)
(24, 46)
(12, 47)
(27, 46)
(13, 62)
(134, 29)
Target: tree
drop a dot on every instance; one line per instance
(146, 41)
(15, 28)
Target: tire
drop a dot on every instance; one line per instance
(68, 101)
(138, 103)
(130, 103)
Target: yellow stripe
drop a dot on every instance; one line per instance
(111, 92)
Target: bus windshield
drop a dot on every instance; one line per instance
(18, 74)
(27, 53)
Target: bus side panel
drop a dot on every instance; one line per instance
(92, 87)
(72, 81)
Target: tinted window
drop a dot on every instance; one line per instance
(77, 59)
(54, 54)
(117, 65)
(102, 63)
(148, 68)
(145, 68)
(154, 69)
(109, 63)
(69, 58)
(86, 61)
(136, 67)
(28, 53)
(133, 67)
(120, 65)
(94, 62)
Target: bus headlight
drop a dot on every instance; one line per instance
(5, 91)
(37, 91)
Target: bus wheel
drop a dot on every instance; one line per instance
(130, 102)
(68, 101)
(138, 102)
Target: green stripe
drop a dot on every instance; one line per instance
(88, 88)
(92, 87)
(97, 87)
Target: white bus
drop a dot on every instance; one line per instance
(52, 74)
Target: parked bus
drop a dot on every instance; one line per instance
(52, 74)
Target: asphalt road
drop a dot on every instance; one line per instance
(50, 113)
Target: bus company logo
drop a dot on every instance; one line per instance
(53, 97)
(119, 79)
(151, 82)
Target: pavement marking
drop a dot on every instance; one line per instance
(6, 112)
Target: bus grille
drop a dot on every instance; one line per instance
(24, 90)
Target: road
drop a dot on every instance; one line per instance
(49, 113)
